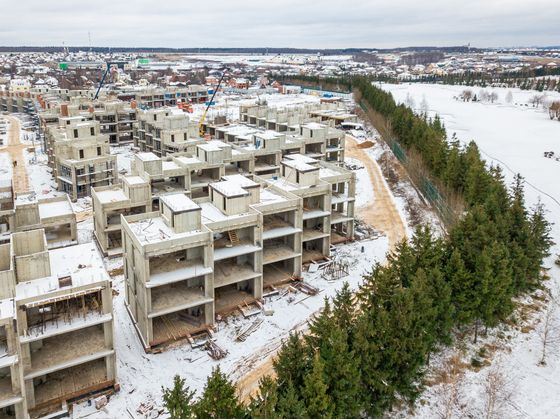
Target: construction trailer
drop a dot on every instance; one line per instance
(62, 300)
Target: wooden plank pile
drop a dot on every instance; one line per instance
(244, 334)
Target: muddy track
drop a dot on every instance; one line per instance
(382, 213)
(15, 149)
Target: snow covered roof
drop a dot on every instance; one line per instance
(55, 209)
(179, 202)
(147, 156)
(300, 166)
(134, 180)
(229, 189)
(111, 195)
(82, 262)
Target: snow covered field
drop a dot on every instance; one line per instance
(514, 136)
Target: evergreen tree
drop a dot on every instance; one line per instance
(540, 241)
(344, 312)
(264, 406)
(292, 363)
(317, 402)
(178, 400)
(290, 405)
(219, 399)
(462, 283)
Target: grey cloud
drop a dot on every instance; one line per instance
(288, 23)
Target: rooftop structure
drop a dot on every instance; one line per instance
(133, 196)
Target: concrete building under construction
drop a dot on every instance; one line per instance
(59, 303)
(196, 258)
(79, 156)
(132, 196)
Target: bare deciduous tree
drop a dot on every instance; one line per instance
(466, 95)
(449, 392)
(548, 334)
(497, 393)
(554, 110)
(509, 97)
(493, 97)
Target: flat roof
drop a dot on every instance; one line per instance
(301, 158)
(134, 180)
(299, 165)
(241, 180)
(111, 195)
(179, 202)
(82, 262)
(229, 188)
(147, 156)
(55, 209)
(154, 230)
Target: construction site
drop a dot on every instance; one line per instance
(136, 226)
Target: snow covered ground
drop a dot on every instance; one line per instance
(364, 191)
(514, 136)
(40, 174)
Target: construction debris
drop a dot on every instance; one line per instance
(241, 337)
(215, 351)
(252, 309)
(307, 288)
(335, 270)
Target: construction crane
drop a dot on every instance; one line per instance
(109, 65)
(203, 117)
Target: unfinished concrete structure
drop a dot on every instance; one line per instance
(168, 266)
(133, 196)
(62, 300)
(164, 131)
(156, 97)
(23, 212)
(12, 400)
(197, 258)
(80, 156)
(328, 194)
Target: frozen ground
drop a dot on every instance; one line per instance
(40, 174)
(364, 191)
(514, 136)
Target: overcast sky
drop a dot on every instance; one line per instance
(280, 23)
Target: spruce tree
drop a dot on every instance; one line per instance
(292, 363)
(178, 400)
(219, 399)
(290, 405)
(314, 392)
(264, 406)
(344, 311)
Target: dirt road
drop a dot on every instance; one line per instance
(15, 149)
(382, 214)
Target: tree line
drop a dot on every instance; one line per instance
(368, 350)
